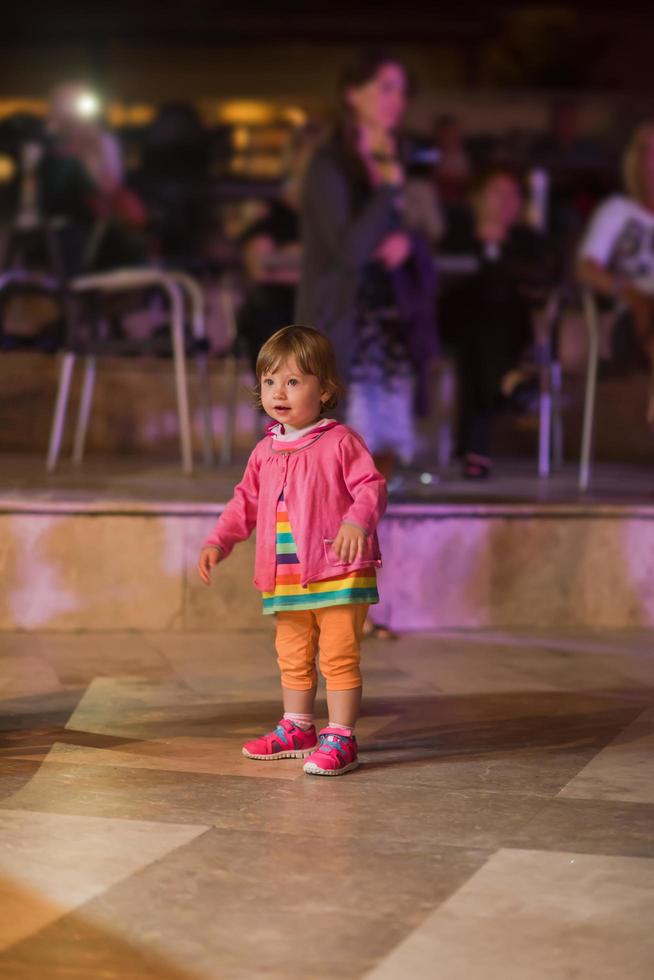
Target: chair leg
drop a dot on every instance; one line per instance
(557, 415)
(84, 411)
(545, 423)
(545, 435)
(179, 357)
(445, 396)
(61, 405)
(589, 402)
(202, 370)
(195, 296)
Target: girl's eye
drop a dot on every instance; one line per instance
(293, 381)
(268, 381)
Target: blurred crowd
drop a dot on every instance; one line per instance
(406, 249)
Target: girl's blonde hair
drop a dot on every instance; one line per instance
(632, 167)
(313, 353)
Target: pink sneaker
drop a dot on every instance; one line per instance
(337, 754)
(287, 741)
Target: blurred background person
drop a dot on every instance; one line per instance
(270, 250)
(486, 316)
(616, 258)
(579, 170)
(453, 173)
(454, 168)
(422, 205)
(81, 178)
(358, 282)
(176, 160)
(75, 124)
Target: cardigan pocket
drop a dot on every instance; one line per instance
(371, 554)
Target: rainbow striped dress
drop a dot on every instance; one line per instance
(353, 587)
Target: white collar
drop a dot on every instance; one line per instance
(290, 434)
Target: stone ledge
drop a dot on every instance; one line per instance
(455, 568)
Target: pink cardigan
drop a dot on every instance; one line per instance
(331, 480)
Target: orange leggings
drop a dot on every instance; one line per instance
(334, 631)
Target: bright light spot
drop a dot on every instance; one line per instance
(11, 107)
(7, 169)
(427, 478)
(141, 114)
(87, 105)
(240, 138)
(295, 115)
(246, 112)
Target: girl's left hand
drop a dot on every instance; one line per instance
(348, 543)
(394, 249)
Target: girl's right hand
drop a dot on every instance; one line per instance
(394, 249)
(380, 153)
(208, 558)
(391, 172)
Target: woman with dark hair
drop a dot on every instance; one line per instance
(365, 280)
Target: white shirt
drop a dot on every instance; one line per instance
(620, 237)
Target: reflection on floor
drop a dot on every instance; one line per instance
(500, 827)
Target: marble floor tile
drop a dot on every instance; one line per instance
(213, 756)
(79, 658)
(590, 827)
(26, 675)
(491, 660)
(135, 794)
(135, 706)
(546, 916)
(29, 715)
(530, 741)
(72, 948)
(14, 775)
(280, 905)
(539, 771)
(623, 769)
(474, 746)
(358, 809)
(51, 863)
(222, 666)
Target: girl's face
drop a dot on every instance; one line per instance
(380, 103)
(500, 201)
(291, 397)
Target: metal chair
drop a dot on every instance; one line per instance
(177, 286)
(591, 319)
(550, 421)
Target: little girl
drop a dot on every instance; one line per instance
(313, 493)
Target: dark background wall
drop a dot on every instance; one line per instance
(162, 49)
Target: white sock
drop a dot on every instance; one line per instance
(303, 721)
(343, 728)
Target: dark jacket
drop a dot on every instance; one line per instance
(340, 226)
(414, 286)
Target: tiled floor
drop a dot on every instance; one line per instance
(500, 828)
